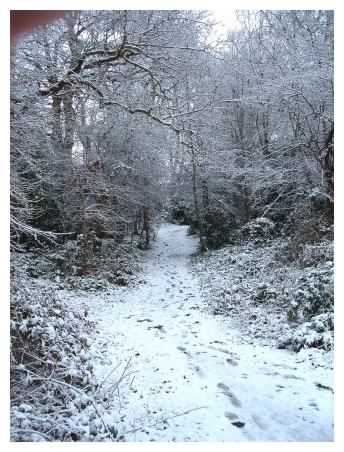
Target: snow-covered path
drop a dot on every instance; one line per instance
(186, 360)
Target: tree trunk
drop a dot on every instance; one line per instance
(202, 239)
(328, 162)
(69, 125)
(146, 226)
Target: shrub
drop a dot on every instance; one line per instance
(314, 294)
(219, 225)
(265, 294)
(318, 333)
(53, 390)
(313, 255)
(258, 230)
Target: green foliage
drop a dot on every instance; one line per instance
(219, 225)
(258, 230)
(317, 333)
(265, 293)
(314, 294)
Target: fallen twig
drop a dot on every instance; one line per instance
(163, 421)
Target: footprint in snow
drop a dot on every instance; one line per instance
(199, 371)
(222, 350)
(231, 362)
(314, 405)
(271, 374)
(231, 416)
(258, 421)
(158, 327)
(293, 377)
(321, 386)
(283, 366)
(238, 424)
(226, 391)
(183, 349)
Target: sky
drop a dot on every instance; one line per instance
(227, 19)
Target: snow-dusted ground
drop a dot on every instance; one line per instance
(194, 378)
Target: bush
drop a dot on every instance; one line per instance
(287, 252)
(265, 294)
(305, 230)
(111, 263)
(258, 230)
(53, 390)
(313, 255)
(316, 333)
(314, 294)
(219, 225)
(294, 250)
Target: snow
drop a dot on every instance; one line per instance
(252, 283)
(191, 376)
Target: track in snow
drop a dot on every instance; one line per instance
(187, 361)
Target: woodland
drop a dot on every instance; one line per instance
(126, 124)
